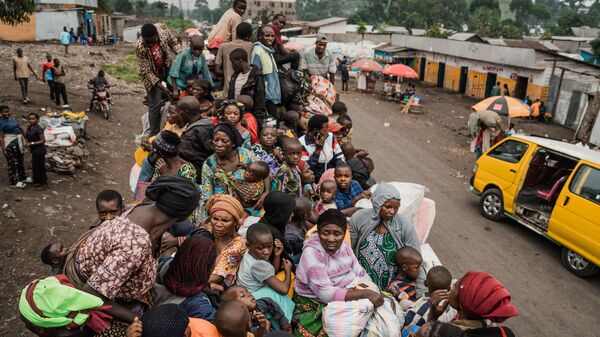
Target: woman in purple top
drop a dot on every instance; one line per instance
(328, 271)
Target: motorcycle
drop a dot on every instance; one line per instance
(101, 102)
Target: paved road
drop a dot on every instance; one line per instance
(552, 302)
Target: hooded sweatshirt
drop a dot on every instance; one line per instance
(402, 230)
(324, 276)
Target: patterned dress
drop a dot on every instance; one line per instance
(228, 262)
(377, 255)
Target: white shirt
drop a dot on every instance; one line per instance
(239, 83)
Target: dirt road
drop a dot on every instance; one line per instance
(429, 149)
(414, 148)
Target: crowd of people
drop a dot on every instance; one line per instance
(246, 219)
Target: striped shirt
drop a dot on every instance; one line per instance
(330, 155)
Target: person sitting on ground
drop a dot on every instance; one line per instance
(247, 79)
(376, 234)
(109, 205)
(196, 140)
(349, 191)
(52, 306)
(117, 261)
(53, 256)
(328, 271)
(327, 192)
(403, 285)
(257, 274)
(183, 279)
(267, 150)
(289, 124)
(321, 149)
(166, 145)
(233, 320)
(354, 159)
(231, 112)
(295, 231)
(288, 177)
(478, 297)
(417, 313)
(190, 61)
(263, 306)
(170, 320)
(262, 56)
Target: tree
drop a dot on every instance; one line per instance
(522, 10)
(361, 29)
(436, 31)
(510, 31)
(141, 7)
(123, 6)
(596, 47)
(158, 9)
(485, 22)
(105, 6)
(489, 4)
(16, 11)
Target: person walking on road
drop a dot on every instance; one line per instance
(22, 70)
(154, 60)
(47, 74)
(65, 39)
(60, 90)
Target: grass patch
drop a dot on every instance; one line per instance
(126, 71)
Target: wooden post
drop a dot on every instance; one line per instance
(557, 98)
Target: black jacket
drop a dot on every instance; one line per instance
(196, 144)
(255, 88)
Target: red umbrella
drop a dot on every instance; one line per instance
(400, 70)
(294, 46)
(367, 65)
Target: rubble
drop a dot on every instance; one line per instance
(66, 160)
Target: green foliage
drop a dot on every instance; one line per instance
(489, 4)
(105, 6)
(123, 6)
(361, 28)
(140, 7)
(126, 71)
(596, 47)
(436, 31)
(485, 22)
(16, 11)
(179, 25)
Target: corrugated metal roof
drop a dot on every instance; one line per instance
(584, 31)
(325, 22)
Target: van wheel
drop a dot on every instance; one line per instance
(492, 204)
(577, 264)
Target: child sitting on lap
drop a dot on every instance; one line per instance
(252, 188)
(257, 274)
(327, 192)
(263, 306)
(288, 177)
(403, 285)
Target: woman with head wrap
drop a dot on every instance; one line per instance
(479, 299)
(53, 307)
(377, 234)
(117, 261)
(226, 214)
(224, 172)
(321, 149)
(328, 271)
(183, 279)
(166, 145)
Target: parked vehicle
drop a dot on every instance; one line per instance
(549, 186)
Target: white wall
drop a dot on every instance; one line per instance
(130, 33)
(595, 136)
(335, 28)
(49, 25)
(85, 3)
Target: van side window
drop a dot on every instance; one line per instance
(511, 151)
(586, 183)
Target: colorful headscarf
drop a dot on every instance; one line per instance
(481, 296)
(53, 302)
(191, 267)
(227, 203)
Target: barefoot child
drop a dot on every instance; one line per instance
(327, 192)
(288, 177)
(257, 274)
(264, 306)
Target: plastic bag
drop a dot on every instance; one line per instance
(346, 319)
(387, 320)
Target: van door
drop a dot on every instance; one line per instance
(575, 219)
(502, 166)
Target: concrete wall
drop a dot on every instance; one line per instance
(355, 37)
(22, 32)
(520, 57)
(595, 136)
(130, 33)
(49, 25)
(335, 28)
(564, 100)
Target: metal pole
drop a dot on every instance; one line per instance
(557, 98)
